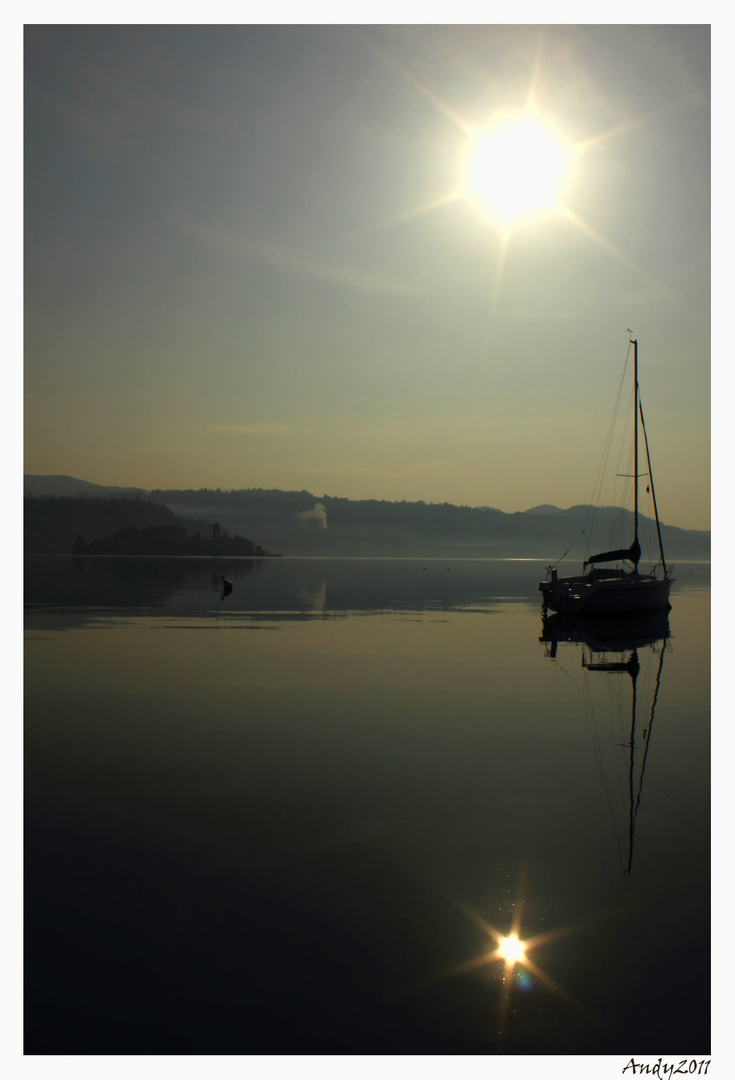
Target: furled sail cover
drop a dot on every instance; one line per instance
(631, 554)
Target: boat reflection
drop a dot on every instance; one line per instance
(611, 644)
(606, 633)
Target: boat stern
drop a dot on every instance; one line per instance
(549, 589)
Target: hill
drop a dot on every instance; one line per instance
(69, 485)
(83, 525)
(301, 523)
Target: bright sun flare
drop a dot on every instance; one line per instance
(518, 169)
(511, 949)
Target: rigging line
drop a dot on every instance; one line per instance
(617, 732)
(650, 725)
(588, 708)
(599, 761)
(631, 775)
(650, 480)
(567, 551)
(620, 497)
(621, 486)
(597, 490)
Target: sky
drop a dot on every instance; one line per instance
(262, 256)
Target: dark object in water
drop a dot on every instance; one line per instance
(225, 588)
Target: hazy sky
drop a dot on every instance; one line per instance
(252, 259)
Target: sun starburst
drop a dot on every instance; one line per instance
(517, 169)
(510, 951)
(516, 166)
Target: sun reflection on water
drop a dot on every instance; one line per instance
(511, 950)
(518, 972)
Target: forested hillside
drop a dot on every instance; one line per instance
(54, 525)
(301, 523)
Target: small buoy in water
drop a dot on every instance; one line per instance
(225, 588)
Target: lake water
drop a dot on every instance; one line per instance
(300, 818)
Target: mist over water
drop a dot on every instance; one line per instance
(300, 819)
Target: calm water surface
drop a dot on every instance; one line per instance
(299, 819)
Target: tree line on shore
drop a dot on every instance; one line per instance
(301, 523)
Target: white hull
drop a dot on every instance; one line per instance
(606, 593)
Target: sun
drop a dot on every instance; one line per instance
(518, 169)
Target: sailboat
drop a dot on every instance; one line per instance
(616, 590)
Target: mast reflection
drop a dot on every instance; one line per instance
(611, 645)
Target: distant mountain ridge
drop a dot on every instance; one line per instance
(301, 523)
(545, 508)
(69, 485)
